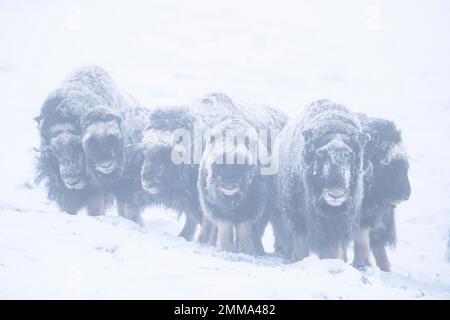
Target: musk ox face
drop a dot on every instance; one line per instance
(389, 178)
(66, 149)
(158, 173)
(390, 174)
(230, 182)
(104, 149)
(331, 173)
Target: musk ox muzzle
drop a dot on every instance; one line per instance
(104, 148)
(152, 185)
(332, 175)
(72, 181)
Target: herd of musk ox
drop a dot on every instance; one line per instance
(338, 175)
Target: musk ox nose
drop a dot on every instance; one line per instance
(229, 189)
(334, 197)
(336, 193)
(105, 167)
(151, 186)
(406, 195)
(74, 182)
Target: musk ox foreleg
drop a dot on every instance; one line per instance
(361, 248)
(130, 211)
(258, 233)
(96, 204)
(188, 231)
(225, 236)
(208, 232)
(70, 208)
(246, 240)
(382, 236)
(299, 249)
(282, 237)
(333, 251)
(380, 255)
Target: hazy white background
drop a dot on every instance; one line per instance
(385, 58)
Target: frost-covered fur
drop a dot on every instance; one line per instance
(61, 148)
(171, 185)
(234, 196)
(386, 185)
(110, 143)
(320, 181)
(175, 185)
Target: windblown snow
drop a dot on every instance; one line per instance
(374, 57)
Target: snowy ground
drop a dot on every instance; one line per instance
(386, 58)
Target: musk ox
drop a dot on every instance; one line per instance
(61, 162)
(172, 148)
(319, 186)
(386, 184)
(110, 143)
(233, 193)
(167, 183)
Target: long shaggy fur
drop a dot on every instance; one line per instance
(303, 226)
(82, 90)
(246, 211)
(386, 185)
(179, 185)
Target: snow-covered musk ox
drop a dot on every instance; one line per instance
(61, 162)
(320, 180)
(386, 185)
(175, 184)
(110, 142)
(234, 194)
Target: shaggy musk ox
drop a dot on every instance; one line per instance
(167, 183)
(320, 181)
(386, 184)
(110, 144)
(233, 194)
(174, 183)
(61, 163)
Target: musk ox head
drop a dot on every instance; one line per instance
(333, 168)
(159, 173)
(103, 144)
(65, 151)
(385, 152)
(230, 163)
(165, 152)
(228, 183)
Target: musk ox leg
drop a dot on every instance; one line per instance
(130, 212)
(344, 253)
(213, 235)
(208, 232)
(332, 251)
(245, 239)
(361, 249)
(257, 239)
(381, 258)
(96, 204)
(281, 244)
(225, 236)
(189, 228)
(72, 210)
(299, 249)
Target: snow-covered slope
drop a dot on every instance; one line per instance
(382, 59)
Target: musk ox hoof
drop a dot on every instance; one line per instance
(362, 265)
(188, 230)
